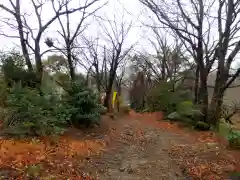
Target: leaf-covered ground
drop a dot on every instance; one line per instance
(138, 146)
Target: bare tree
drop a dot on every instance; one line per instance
(35, 35)
(116, 34)
(93, 59)
(69, 36)
(225, 54)
(168, 61)
(15, 11)
(163, 54)
(121, 75)
(197, 34)
(120, 82)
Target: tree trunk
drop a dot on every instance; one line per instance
(109, 89)
(215, 108)
(98, 76)
(218, 93)
(98, 81)
(22, 39)
(119, 93)
(112, 75)
(70, 64)
(107, 99)
(88, 76)
(203, 95)
(163, 69)
(39, 66)
(217, 97)
(196, 86)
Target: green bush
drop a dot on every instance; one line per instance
(28, 113)
(187, 109)
(162, 98)
(226, 131)
(14, 72)
(185, 112)
(4, 91)
(84, 104)
(203, 126)
(234, 139)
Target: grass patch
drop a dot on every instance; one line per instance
(224, 129)
(233, 136)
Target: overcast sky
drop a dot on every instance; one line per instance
(132, 10)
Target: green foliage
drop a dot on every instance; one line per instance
(84, 104)
(187, 109)
(25, 111)
(203, 126)
(14, 72)
(226, 131)
(223, 128)
(177, 104)
(4, 91)
(28, 113)
(12, 67)
(234, 139)
(162, 98)
(186, 112)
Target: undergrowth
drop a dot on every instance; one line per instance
(29, 113)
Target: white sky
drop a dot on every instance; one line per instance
(132, 10)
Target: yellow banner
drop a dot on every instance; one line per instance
(114, 98)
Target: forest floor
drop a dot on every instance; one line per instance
(133, 147)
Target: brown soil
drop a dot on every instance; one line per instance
(133, 147)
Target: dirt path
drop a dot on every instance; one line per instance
(140, 152)
(135, 147)
(142, 148)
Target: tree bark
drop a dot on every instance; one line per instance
(70, 63)
(21, 35)
(215, 108)
(203, 95)
(38, 60)
(119, 92)
(218, 93)
(24, 48)
(109, 89)
(196, 86)
(98, 81)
